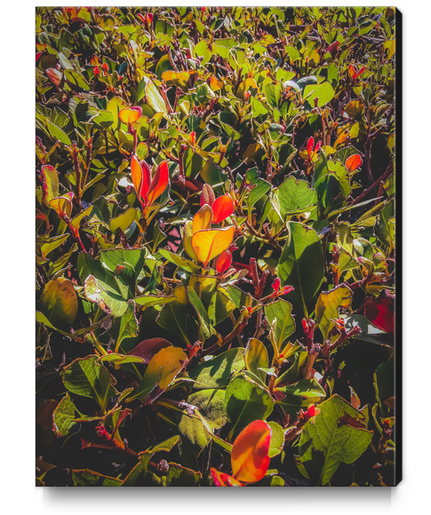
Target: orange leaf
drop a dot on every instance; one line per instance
(222, 208)
(224, 261)
(209, 243)
(202, 219)
(141, 177)
(215, 84)
(159, 182)
(353, 162)
(222, 479)
(130, 115)
(249, 457)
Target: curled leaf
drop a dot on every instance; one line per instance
(130, 115)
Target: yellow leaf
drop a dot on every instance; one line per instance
(202, 219)
(177, 78)
(166, 364)
(187, 240)
(209, 243)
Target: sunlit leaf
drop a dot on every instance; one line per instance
(130, 115)
(50, 183)
(222, 208)
(209, 243)
(327, 307)
(202, 219)
(249, 457)
(159, 182)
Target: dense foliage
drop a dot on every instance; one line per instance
(215, 246)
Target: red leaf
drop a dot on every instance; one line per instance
(222, 479)
(159, 182)
(224, 261)
(310, 145)
(222, 208)
(380, 312)
(148, 348)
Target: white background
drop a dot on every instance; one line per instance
(17, 291)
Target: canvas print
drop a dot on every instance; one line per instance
(216, 246)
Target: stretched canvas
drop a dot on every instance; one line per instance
(216, 247)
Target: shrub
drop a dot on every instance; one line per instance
(215, 246)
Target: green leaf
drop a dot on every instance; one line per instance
(86, 377)
(302, 264)
(260, 190)
(155, 99)
(327, 307)
(182, 476)
(90, 478)
(294, 195)
(63, 416)
(154, 300)
(139, 475)
(277, 439)
(211, 405)
(128, 324)
(279, 314)
(174, 315)
(335, 439)
(324, 92)
(300, 395)
(58, 134)
(246, 401)
(76, 79)
(109, 302)
(182, 263)
(216, 372)
(207, 330)
(256, 356)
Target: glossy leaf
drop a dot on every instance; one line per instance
(302, 264)
(280, 320)
(161, 371)
(327, 307)
(256, 357)
(202, 219)
(222, 208)
(130, 115)
(353, 162)
(159, 183)
(249, 457)
(246, 401)
(209, 243)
